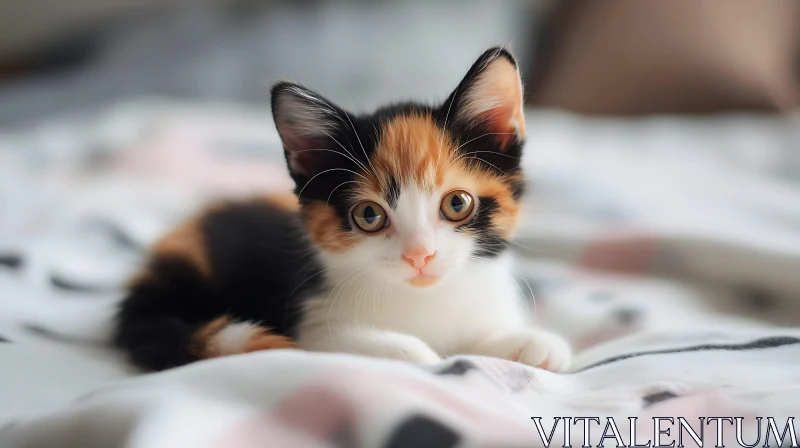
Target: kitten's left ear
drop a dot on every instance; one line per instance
(490, 98)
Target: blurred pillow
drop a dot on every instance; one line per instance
(668, 56)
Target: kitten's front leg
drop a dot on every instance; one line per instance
(527, 345)
(348, 338)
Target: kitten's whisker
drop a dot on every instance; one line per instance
(326, 171)
(351, 154)
(374, 171)
(338, 285)
(336, 114)
(310, 277)
(335, 152)
(486, 162)
(327, 202)
(533, 298)
(490, 152)
(446, 117)
(481, 136)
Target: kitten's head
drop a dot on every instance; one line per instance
(411, 192)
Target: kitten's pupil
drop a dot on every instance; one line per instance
(369, 215)
(457, 203)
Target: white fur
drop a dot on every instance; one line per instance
(234, 337)
(475, 307)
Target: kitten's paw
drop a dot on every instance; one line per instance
(409, 348)
(534, 348)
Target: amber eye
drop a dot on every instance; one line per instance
(457, 205)
(369, 216)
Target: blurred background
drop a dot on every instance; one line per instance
(607, 57)
(663, 143)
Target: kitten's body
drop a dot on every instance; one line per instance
(451, 321)
(395, 249)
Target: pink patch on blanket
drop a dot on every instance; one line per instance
(192, 158)
(318, 410)
(629, 252)
(310, 417)
(266, 431)
(473, 403)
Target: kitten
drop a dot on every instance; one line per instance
(395, 249)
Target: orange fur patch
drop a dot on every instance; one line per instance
(186, 241)
(324, 227)
(205, 344)
(412, 149)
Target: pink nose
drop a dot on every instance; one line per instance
(418, 258)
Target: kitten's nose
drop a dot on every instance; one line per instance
(418, 258)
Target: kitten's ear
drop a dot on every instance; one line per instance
(306, 123)
(490, 98)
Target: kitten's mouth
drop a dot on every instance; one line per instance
(422, 280)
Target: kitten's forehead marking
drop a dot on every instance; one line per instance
(412, 150)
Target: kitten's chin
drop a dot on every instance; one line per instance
(423, 281)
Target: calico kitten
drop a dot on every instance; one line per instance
(395, 249)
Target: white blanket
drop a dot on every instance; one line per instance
(667, 250)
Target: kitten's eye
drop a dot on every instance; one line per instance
(369, 216)
(457, 205)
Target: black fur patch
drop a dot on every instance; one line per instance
(11, 261)
(490, 243)
(393, 192)
(422, 431)
(262, 267)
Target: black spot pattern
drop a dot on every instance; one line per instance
(419, 431)
(2, 339)
(11, 261)
(657, 397)
(758, 299)
(459, 367)
(627, 316)
(758, 344)
(68, 285)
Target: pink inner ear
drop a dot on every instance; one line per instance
(301, 155)
(499, 121)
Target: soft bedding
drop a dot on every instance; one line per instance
(667, 250)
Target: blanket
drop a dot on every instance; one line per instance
(666, 250)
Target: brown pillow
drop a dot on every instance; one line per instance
(668, 56)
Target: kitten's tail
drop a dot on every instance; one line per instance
(171, 317)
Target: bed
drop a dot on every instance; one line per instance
(666, 249)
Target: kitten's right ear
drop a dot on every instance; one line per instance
(306, 122)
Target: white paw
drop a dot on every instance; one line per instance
(534, 348)
(411, 349)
